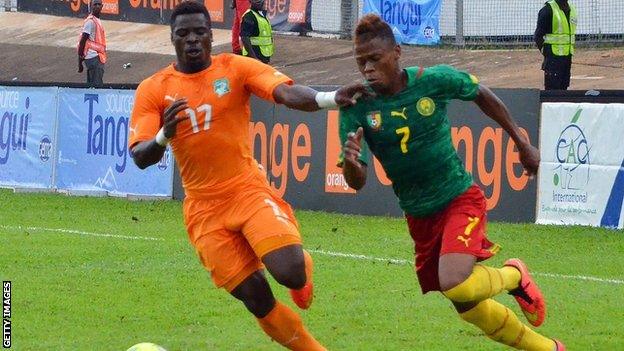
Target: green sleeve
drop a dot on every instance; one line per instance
(453, 83)
(349, 123)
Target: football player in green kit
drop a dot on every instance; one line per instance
(406, 127)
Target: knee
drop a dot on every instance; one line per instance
(457, 288)
(256, 295)
(259, 306)
(291, 275)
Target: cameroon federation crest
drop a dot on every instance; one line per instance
(374, 120)
(426, 106)
(221, 86)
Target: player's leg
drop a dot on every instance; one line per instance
(235, 267)
(469, 286)
(292, 267)
(269, 228)
(273, 233)
(277, 320)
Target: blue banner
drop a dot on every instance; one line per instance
(93, 150)
(412, 21)
(27, 126)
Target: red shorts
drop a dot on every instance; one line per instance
(458, 228)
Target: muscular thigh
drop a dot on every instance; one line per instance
(226, 254)
(266, 221)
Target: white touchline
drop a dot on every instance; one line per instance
(407, 262)
(320, 252)
(79, 232)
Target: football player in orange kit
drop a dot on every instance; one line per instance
(235, 221)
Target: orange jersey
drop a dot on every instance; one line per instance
(212, 147)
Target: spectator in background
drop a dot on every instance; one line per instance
(92, 46)
(239, 7)
(555, 36)
(256, 33)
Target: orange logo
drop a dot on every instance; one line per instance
(215, 8)
(334, 180)
(110, 7)
(297, 11)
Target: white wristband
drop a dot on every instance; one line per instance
(161, 139)
(326, 99)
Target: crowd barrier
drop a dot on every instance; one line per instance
(74, 140)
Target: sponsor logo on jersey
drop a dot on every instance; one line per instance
(425, 106)
(374, 120)
(400, 114)
(221, 86)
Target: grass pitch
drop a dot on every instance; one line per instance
(104, 274)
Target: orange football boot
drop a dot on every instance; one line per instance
(528, 294)
(303, 297)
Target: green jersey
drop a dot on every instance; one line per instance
(410, 134)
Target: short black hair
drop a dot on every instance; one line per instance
(189, 7)
(372, 26)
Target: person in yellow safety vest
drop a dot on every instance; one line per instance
(256, 34)
(92, 46)
(555, 37)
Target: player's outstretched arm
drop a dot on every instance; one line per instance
(304, 98)
(492, 106)
(147, 153)
(353, 170)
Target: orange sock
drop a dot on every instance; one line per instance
(309, 266)
(285, 326)
(304, 296)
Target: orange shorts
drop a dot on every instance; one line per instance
(232, 235)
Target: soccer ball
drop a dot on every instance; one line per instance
(146, 346)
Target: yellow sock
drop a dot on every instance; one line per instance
(285, 326)
(502, 325)
(483, 283)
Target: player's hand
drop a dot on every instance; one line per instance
(347, 95)
(80, 68)
(530, 159)
(171, 117)
(352, 148)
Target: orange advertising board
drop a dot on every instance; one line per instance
(110, 7)
(334, 180)
(297, 11)
(215, 8)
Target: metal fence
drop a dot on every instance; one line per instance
(487, 22)
(8, 5)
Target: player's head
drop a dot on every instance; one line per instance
(257, 4)
(377, 53)
(191, 36)
(96, 7)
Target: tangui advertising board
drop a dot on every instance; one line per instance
(582, 164)
(412, 21)
(27, 136)
(93, 146)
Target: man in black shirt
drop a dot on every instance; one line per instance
(256, 34)
(554, 36)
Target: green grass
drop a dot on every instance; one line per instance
(83, 292)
